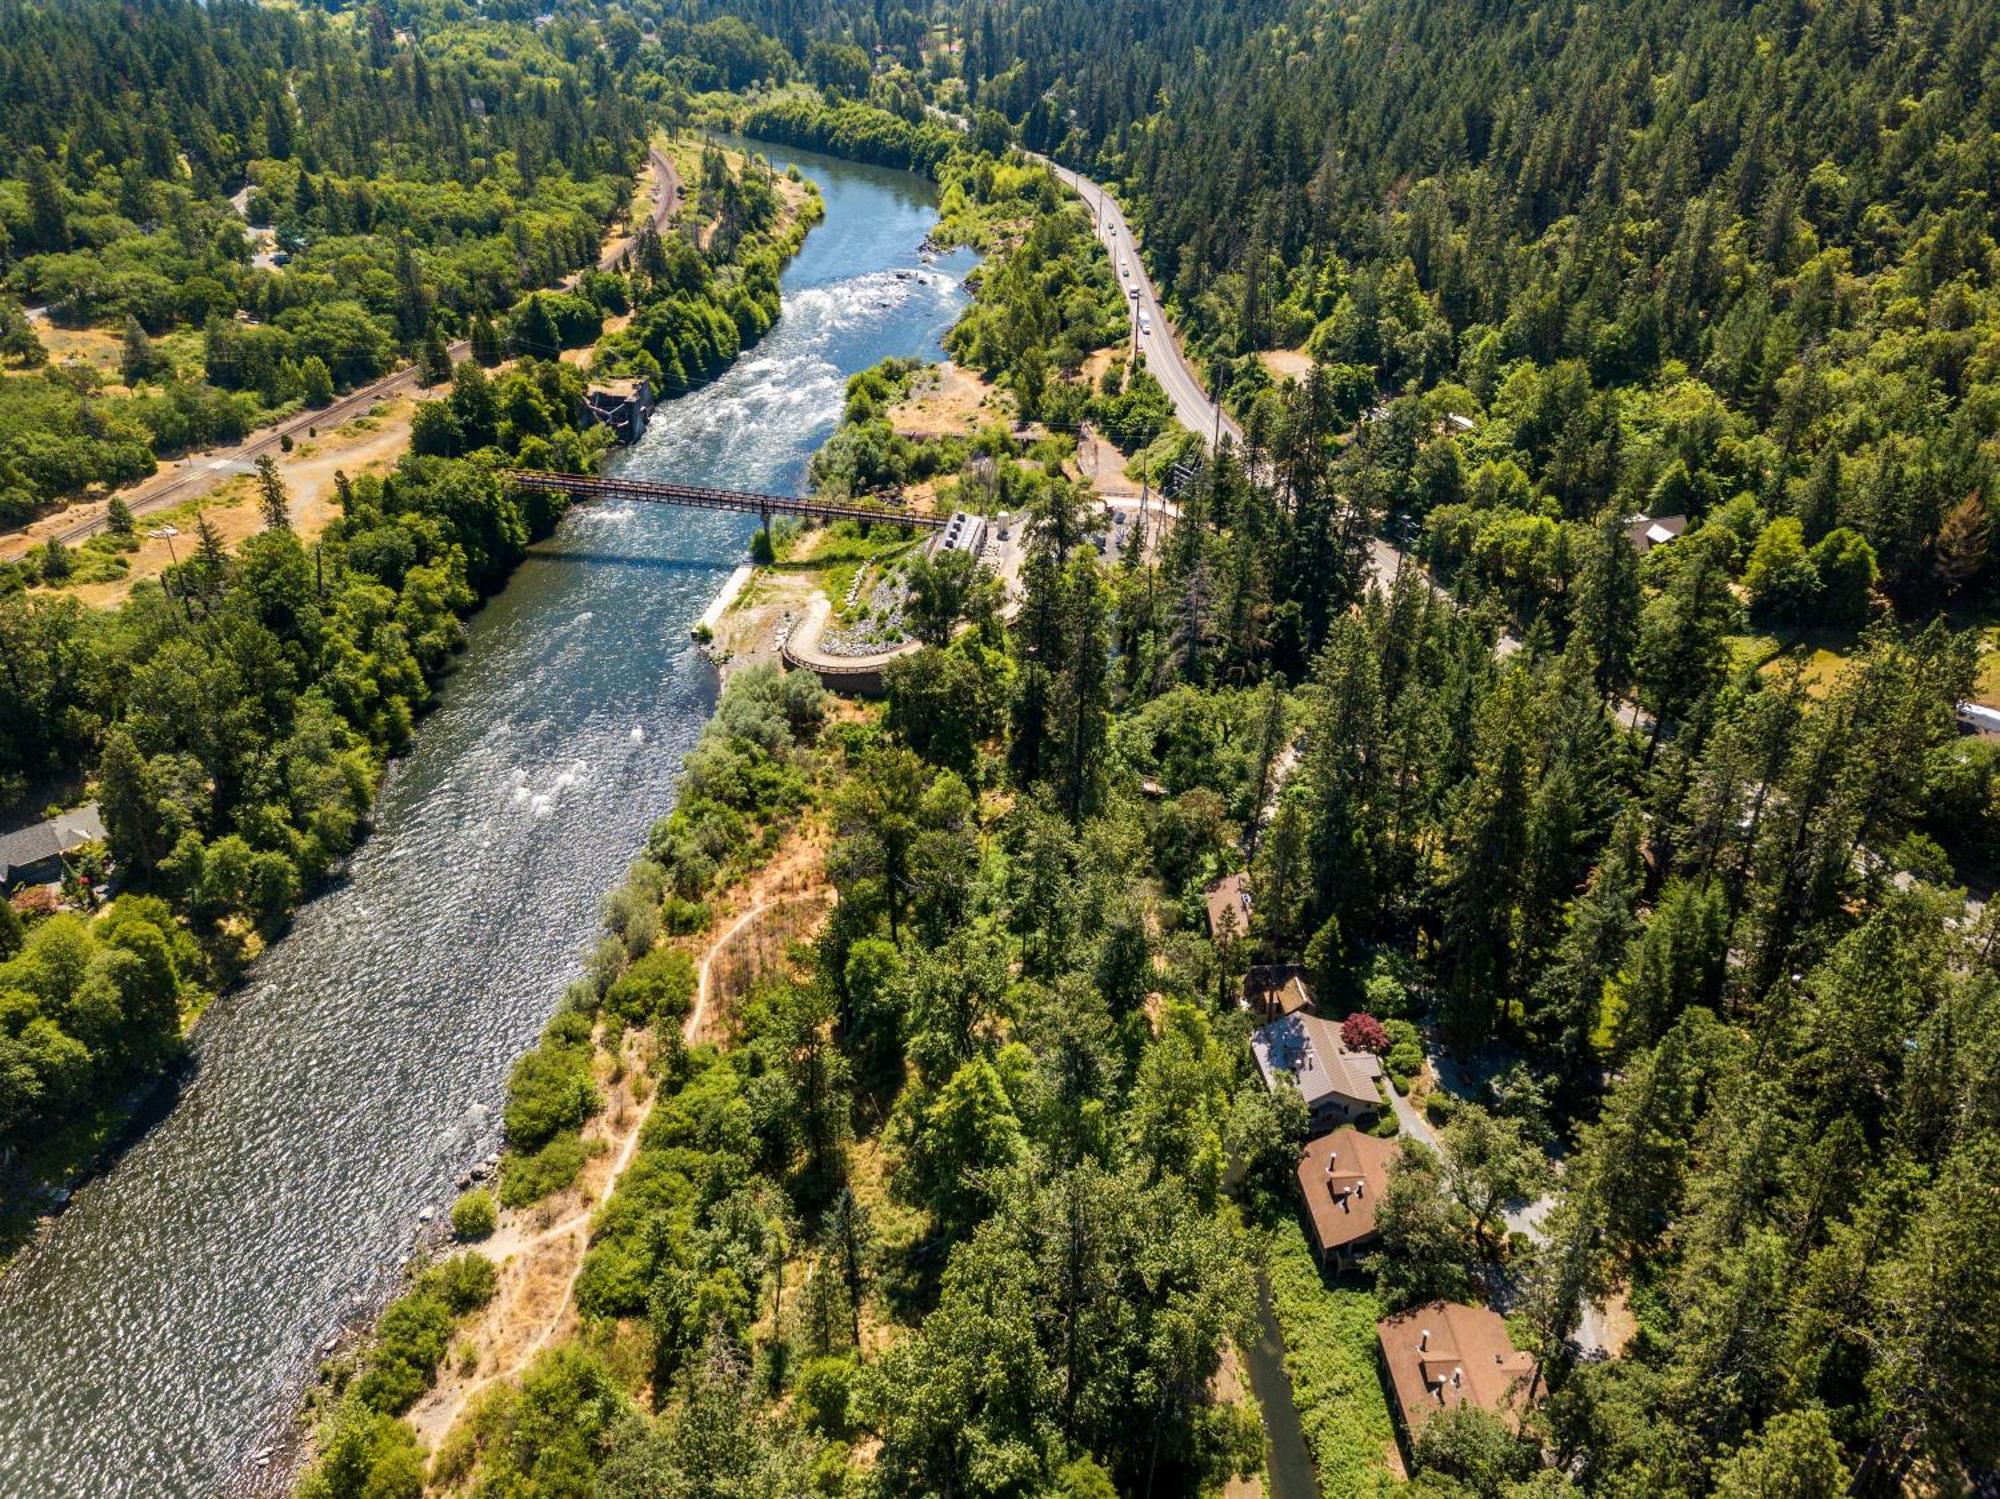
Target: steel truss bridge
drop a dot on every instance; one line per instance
(699, 497)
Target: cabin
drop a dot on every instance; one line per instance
(1648, 531)
(625, 406)
(1342, 1177)
(1444, 1354)
(34, 855)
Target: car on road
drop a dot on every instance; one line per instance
(1132, 292)
(1145, 325)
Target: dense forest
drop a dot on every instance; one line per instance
(1692, 928)
(410, 191)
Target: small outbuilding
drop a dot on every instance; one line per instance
(1648, 531)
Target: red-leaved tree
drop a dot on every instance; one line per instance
(1364, 1033)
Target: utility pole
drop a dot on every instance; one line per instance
(167, 534)
(1217, 443)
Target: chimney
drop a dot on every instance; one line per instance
(1423, 1339)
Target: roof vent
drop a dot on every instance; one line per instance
(1423, 1339)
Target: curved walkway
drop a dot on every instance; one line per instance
(862, 674)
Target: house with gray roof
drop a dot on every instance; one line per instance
(34, 855)
(1338, 1085)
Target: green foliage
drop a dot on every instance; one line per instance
(1331, 1358)
(474, 1216)
(846, 127)
(415, 1329)
(528, 1178)
(365, 1454)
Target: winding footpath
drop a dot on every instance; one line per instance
(434, 1420)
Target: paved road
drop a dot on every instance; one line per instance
(201, 472)
(1162, 352)
(1160, 348)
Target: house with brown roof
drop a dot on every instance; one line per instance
(1444, 1354)
(1228, 907)
(1342, 1177)
(1648, 531)
(1272, 990)
(1338, 1085)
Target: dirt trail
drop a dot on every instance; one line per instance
(540, 1249)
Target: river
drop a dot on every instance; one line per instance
(155, 1342)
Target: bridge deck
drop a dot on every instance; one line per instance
(652, 492)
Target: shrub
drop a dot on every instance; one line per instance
(529, 1178)
(464, 1283)
(825, 1396)
(1404, 1062)
(1439, 1106)
(660, 986)
(474, 1216)
(550, 1090)
(1363, 1032)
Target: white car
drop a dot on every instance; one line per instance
(1132, 292)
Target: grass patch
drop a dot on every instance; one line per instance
(1330, 1355)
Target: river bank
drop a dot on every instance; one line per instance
(342, 1090)
(44, 1180)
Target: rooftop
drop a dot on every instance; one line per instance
(1343, 1176)
(46, 840)
(1445, 1353)
(1229, 900)
(1647, 531)
(1309, 1048)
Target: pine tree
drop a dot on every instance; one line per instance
(485, 339)
(136, 360)
(272, 500)
(433, 359)
(1570, 998)
(1608, 602)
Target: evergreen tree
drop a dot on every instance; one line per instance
(272, 500)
